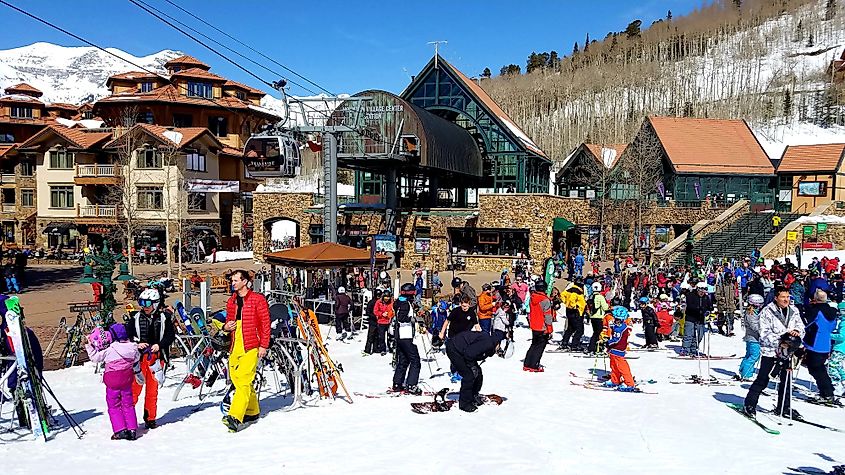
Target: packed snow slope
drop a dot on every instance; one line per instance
(546, 425)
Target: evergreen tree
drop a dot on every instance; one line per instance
(510, 70)
(669, 15)
(554, 60)
(587, 43)
(787, 103)
(688, 111)
(575, 49)
(811, 40)
(486, 73)
(830, 10)
(633, 29)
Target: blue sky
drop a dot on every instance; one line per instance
(344, 46)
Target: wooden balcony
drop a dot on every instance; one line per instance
(97, 175)
(96, 214)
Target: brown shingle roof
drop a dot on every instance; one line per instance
(77, 138)
(596, 150)
(169, 93)
(712, 146)
(188, 134)
(62, 105)
(7, 149)
(24, 88)
(249, 89)
(132, 76)
(231, 151)
(198, 73)
(811, 158)
(488, 101)
(20, 98)
(187, 60)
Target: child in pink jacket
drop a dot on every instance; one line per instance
(120, 355)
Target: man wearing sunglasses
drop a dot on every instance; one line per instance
(248, 320)
(152, 329)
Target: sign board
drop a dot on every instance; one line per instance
(821, 227)
(792, 235)
(385, 242)
(422, 245)
(819, 245)
(785, 195)
(808, 230)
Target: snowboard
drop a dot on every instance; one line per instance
(29, 386)
(739, 409)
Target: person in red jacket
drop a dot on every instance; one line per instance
(540, 320)
(620, 372)
(384, 314)
(248, 317)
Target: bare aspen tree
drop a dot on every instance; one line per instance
(121, 196)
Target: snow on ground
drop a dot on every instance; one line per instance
(223, 256)
(546, 425)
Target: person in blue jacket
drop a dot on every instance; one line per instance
(822, 321)
(743, 275)
(816, 282)
(579, 264)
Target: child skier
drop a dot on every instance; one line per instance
(836, 362)
(120, 355)
(620, 372)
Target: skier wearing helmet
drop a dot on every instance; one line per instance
(620, 371)
(540, 321)
(751, 322)
(407, 373)
(597, 306)
(152, 328)
(342, 308)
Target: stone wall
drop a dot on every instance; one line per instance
(269, 206)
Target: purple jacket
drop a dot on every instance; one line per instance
(119, 356)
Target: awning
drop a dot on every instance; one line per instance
(150, 230)
(58, 228)
(212, 186)
(562, 224)
(202, 228)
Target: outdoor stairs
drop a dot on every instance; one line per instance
(752, 230)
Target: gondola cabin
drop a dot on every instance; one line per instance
(272, 156)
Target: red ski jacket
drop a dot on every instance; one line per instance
(255, 319)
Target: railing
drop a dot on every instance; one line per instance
(96, 211)
(8, 207)
(97, 171)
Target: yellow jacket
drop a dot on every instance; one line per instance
(573, 297)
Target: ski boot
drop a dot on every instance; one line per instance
(118, 435)
(193, 380)
(789, 414)
(413, 391)
(455, 378)
(478, 400)
(231, 423)
(150, 424)
(611, 384)
(750, 411)
(468, 408)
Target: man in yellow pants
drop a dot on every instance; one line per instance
(248, 317)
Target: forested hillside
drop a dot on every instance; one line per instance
(766, 61)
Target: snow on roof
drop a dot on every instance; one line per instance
(173, 136)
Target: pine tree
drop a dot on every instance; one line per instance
(787, 103)
(554, 60)
(510, 70)
(486, 73)
(575, 49)
(633, 29)
(830, 10)
(587, 43)
(669, 15)
(811, 41)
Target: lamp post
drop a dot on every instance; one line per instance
(99, 268)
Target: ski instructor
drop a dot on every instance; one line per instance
(248, 317)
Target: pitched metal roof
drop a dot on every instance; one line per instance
(711, 146)
(812, 158)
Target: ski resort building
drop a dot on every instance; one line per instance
(809, 176)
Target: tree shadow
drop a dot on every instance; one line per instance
(38, 278)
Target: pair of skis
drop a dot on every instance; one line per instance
(739, 408)
(599, 386)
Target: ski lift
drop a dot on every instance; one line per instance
(272, 156)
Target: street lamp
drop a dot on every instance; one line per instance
(99, 269)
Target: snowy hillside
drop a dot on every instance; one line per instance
(71, 74)
(546, 425)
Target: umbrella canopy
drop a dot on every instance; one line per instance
(322, 256)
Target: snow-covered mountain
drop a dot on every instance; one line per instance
(72, 74)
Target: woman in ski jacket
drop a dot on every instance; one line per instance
(836, 362)
(384, 313)
(751, 321)
(120, 355)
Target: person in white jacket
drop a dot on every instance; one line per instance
(776, 319)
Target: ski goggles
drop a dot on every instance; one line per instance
(147, 302)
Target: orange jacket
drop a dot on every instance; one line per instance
(540, 312)
(381, 308)
(485, 306)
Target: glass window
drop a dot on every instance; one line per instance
(148, 158)
(61, 196)
(218, 126)
(183, 120)
(146, 118)
(150, 198)
(195, 162)
(490, 242)
(27, 197)
(240, 95)
(27, 169)
(61, 159)
(146, 86)
(22, 112)
(200, 89)
(197, 201)
(246, 199)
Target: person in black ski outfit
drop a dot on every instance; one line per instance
(465, 350)
(372, 323)
(650, 323)
(408, 356)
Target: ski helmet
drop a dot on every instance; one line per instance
(597, 287)
(149, 298)
(456, 282)
(620, 313)
(701, 285)
(99, 339)
(118, 332)
(341, 290)
(407, 289)
(756, 300)
(540, 286)
(644, 300)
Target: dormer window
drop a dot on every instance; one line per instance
(240, 95)
(200, 89)
(87, 114)
(175, 69)
(22, 112)
(147, 86)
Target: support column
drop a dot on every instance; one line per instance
(390, 200)
(433, 185)
(330, 187)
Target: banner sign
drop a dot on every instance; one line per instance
(212, 186)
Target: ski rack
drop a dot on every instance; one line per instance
(324, 369)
